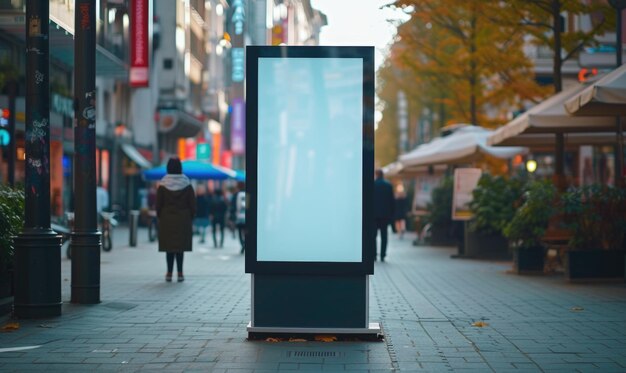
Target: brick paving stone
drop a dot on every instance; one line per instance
(426, 302)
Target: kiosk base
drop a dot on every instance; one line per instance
(305, 305)
(373, 331)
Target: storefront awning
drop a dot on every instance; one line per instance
(135, 156)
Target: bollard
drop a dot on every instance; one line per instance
(133, 224)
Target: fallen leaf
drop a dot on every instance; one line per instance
(577, 309)
(325, 338)
(11, 326)
(273, 340)
(480, 324)
(297, 340)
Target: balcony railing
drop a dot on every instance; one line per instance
(62, 13)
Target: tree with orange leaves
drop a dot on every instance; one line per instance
(452, 53)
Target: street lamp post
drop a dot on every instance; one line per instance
(619, 6)
(37, 247)
(85, 243)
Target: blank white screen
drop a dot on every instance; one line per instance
(310, 141)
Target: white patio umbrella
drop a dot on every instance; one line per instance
(550, 124)
(397, 169)
(607, 96)
(464, 145)
(548, 140)
(392, 169)
(549, 117)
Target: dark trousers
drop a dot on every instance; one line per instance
(218, 223)
(381, 225)
(170, 261)
(242, 236)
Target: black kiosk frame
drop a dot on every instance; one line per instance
(310, 293)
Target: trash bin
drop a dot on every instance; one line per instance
(133, 224)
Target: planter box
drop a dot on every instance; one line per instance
(528, 260)
(6, 292)
(594, 265)
(440, 236)
(482, 246)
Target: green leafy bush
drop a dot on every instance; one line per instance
(11, 222)
(530, 221)
(596, 215)
(440, 208)
(494, 203)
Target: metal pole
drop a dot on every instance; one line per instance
(559, 162)
(12, 88)
(618, 32)
(37, 248)
(85, 244)
(619, 157)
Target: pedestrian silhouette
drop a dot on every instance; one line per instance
(203, 201)
(176, 208)
(383, 209)
(400, 210)
(240, 215)
(218, 216)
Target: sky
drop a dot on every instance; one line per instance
(358, 22)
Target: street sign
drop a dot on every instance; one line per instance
(203, 151)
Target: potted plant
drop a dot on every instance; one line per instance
(528, 226)
(11, 221)
(439, 214)
(596, 215)
(493, 207)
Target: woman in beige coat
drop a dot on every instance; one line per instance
(176, 208)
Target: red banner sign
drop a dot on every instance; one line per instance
(139, 51)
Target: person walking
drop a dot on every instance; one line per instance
(203, 201)
(383, 209)
(400, 211)
(240, 216)
(175, 208)
(218, 216)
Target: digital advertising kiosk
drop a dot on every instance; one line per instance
(310, 243)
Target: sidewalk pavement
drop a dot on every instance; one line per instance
(428, 305)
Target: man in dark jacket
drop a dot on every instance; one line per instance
(383, 209)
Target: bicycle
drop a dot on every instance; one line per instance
(66, 233)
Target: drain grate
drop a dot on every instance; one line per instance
(313, 354)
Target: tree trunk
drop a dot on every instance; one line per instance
(473, 73)
(556, 29)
